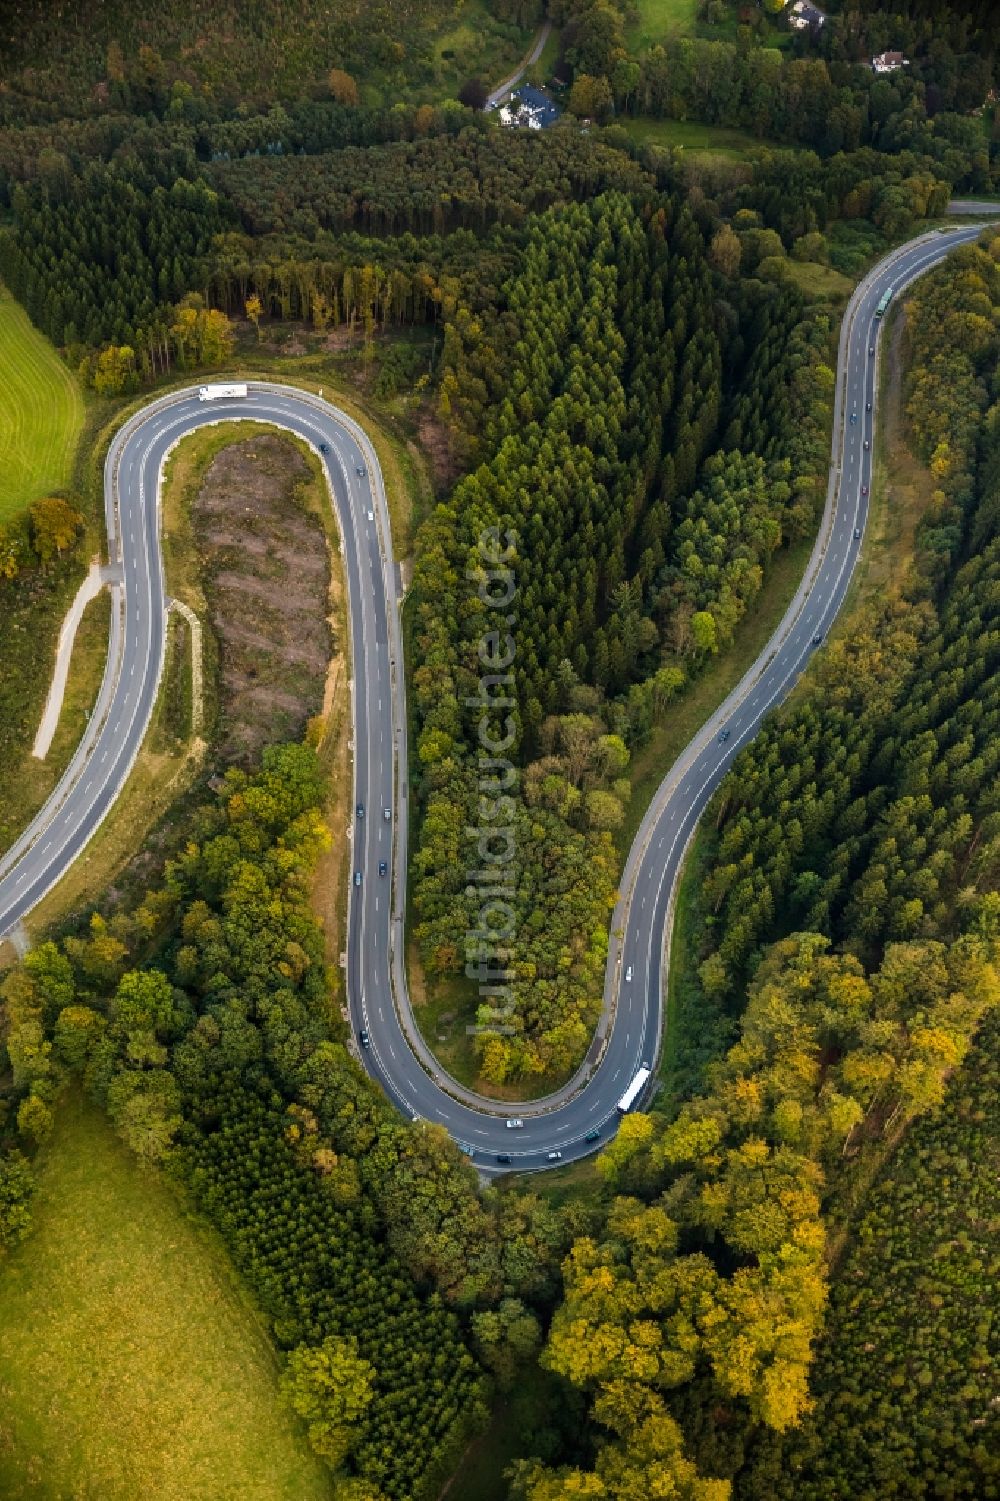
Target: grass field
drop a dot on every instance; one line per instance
(132, 1363)
(525, 1422)
(546, 64)
(475, 44)
(816, 280)
(41, 412)
(693, 137)
(656, 19)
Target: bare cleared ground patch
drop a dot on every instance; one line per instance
(266, 575)
(436, 443)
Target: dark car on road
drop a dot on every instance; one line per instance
(381, 867)
(364, 1039)
(503, 1157)
(723, 736)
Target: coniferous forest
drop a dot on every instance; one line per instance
(618, 354)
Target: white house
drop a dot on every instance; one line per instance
(889, 62)
(804, 14)
(528, 107)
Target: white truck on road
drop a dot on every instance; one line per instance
(635, 1089)
(216, 393)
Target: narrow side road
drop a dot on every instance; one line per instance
(89, 589)
(500, 93)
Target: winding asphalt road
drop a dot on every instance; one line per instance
(629, 1031)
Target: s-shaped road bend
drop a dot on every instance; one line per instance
(629, 1032)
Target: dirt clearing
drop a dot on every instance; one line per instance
(266, 573)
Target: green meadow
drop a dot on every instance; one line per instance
(132, 1361)
(41, 412)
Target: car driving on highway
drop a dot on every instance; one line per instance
(514, 1123)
